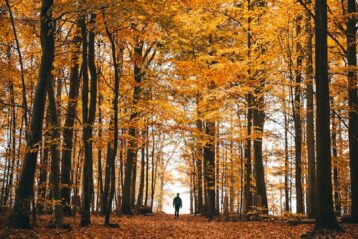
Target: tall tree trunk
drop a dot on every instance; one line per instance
(297, 121)
(42, 183)
(258, 119)
(336, 187)
(88, 115)
(287, 163)
(66, 166)
(146, 167)
(55, 161)
(199, 165)
(12, 147)
(132, 149)
(154, 170)
(353, 103)
(209, 164)
(141, 182)
(112, 146)
(99, 159)
(311, 157)
(20, 217)
(18, 49)
(325, 217)
(248, 196)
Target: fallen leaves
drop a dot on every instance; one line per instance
(165, 226)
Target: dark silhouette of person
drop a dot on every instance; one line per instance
(177, 205)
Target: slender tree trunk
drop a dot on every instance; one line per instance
(297, 121)
(132, 149)
(12, 148)
(55, 160)
(209, 164)
(18, 49)
(353, 103)
(141, 182)
(66, 166)
(248, 196)
(42, 183)
(325, 217)
(311, 157)
(112, 146)
(287, 164)
(199, 166)
(99, 159)
(258, 118)
(88, 115)
(146, 167)
(336, 187)
(20, 217)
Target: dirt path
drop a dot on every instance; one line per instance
(165, 226)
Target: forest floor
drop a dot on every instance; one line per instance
(165, 226)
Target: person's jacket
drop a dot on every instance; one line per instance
(177, 201)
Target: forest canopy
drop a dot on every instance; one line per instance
(252, 105)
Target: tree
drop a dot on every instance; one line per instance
(353, 103)
(325, 217)
(68, 130)
(311, 157)
(20, 217)
(88, 114)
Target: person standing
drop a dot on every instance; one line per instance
(177, 203)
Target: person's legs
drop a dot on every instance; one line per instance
(177, 212)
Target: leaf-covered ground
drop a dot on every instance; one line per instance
(165, 226)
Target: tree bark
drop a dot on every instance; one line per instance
(353, 103)
(297, 121)
(132, 149)
(20, 217)
(325, 217)
(209, 164)
(336, 186)
(55, 161)
(66, 166)
(311, 157)
(258, 118)
(88, 115)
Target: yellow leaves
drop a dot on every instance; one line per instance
(165, 226)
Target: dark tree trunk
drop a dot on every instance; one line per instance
(18, 49)
(112, 146)
(353, 104)
(325, 217)
(336, 186)
(134, 179)
(258, 118)
(141, 181)
(55, 160)
(209, 164)
(248, 196)
(12, 148)
(42, 183)
(297, 122)
(311, 157)
(99, 159)
(146, 167)
(132, 149)
(154, 170)
(199, 166)
(287, 164)
(66, 166)
(88, 115)
(142, 172)
(20, 217)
